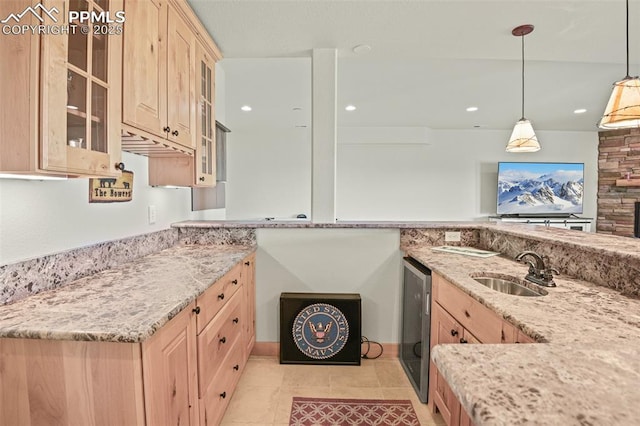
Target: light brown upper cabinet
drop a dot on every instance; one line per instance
(159, 62)
(62, 92)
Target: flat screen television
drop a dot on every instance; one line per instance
(540, 189)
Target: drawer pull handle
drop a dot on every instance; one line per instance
(236, 367)
(467, 314)
(223, 340)
(221, 296)
(223, 395)
(175, 133)
(166, 129)
(462, 340)
(196, 310)
(247, 263)
(454, 332)
(234, 282)
(235, 320)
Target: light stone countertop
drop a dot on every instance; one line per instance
(588, 241)
(306, 223)
(585, 371)
(125, 304)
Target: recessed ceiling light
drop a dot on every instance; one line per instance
(472, 109)
(350, 107)
(362, 48)
(246, 108)
(580, 111)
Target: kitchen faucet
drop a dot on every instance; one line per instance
(539, 273)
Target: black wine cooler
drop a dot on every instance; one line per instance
(416, 325)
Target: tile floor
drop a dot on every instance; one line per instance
(265, 391)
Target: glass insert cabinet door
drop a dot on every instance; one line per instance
(81, 90)
(206, 147)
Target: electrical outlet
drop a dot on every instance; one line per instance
(152, 215)
(451, 237)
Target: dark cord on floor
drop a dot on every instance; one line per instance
(365, 348)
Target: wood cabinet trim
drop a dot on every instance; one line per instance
(203, 36)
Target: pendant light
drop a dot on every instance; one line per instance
(623, 109)
(523, 138)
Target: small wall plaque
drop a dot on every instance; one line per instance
(111, 190)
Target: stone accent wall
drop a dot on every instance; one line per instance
(618, 154)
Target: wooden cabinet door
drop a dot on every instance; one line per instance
(58, 382)
(444, 329)
(205, 159)
(447, 328)
(523, 338)
(467, 337)
(170, 374)
(144, 76)
(81, 95)
(181, 74)
(249, 278)
(465, 420)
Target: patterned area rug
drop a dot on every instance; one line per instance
(347, 412)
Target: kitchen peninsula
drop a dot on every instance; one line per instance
(587, 328)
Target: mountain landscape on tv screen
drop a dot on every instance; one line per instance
(558, 192)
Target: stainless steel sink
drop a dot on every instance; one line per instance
(509, 287)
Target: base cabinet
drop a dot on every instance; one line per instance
(183, 375)
(457, 318)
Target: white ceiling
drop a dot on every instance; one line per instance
(430, 59)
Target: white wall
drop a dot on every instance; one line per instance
(269, 173)
(44, 217)
(453, 176)
(420, 175)
(365, 261)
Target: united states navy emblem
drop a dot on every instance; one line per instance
(320, 331)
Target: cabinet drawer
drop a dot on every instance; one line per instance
(217, 339)
(471, 314)
(216, 398)
(212, 300)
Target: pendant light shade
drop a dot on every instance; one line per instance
(523, 138)
(623, 108)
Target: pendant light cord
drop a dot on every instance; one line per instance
(522, 37)
(628, 76)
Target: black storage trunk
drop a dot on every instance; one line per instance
(320, 328)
